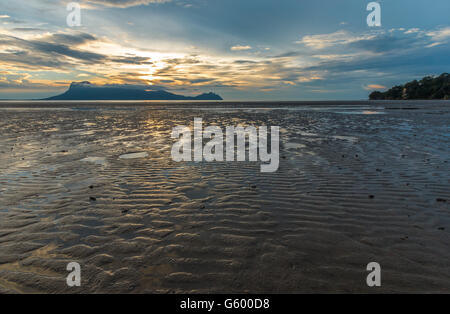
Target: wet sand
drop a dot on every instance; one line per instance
(95, 184)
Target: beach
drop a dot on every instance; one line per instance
(94, 183)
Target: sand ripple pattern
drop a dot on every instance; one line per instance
(351, 189)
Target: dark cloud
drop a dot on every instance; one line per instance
(125, 3)
(287, 55)
(408, 59)
(71, 39)
(386, 43)
(46, 53)
(27, 29)
(58, 51)
(132, 60)
(10, 81)
(244, 62)
(64, 50)
(28, 61)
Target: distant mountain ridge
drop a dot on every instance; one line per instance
(429, 87)
(87, 91)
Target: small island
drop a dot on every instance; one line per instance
(430, 87)
(89, 91)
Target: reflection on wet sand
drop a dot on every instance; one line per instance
(99, 187)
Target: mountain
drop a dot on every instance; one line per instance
(88, 91)
(430, 87)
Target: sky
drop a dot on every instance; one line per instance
(239, 49)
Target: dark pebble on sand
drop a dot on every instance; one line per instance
(92, 198)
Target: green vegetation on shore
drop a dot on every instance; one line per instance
(429, 87)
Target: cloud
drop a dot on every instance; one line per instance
(131, 60)
(439, 36)
(374, 87)
(27, 29)
(59, 51)
(27, 61)
(125, 3)
(10, 81)
(333, 39)
(330, 61)
(375, 42)
(240, 48)
(50, 51)
(388, 57)
(384, 43)
(412, 31)
(77, 53)
(76, 39)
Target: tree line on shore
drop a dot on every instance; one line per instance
(430, 87)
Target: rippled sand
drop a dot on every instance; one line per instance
(96, 185)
